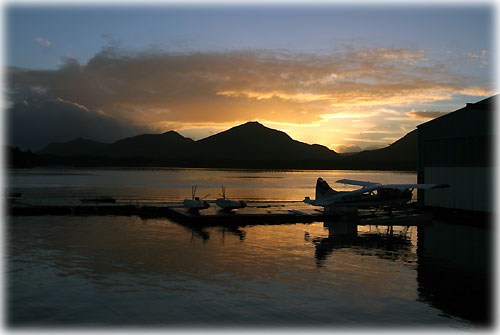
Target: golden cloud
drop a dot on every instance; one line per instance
(402, 55)
(425, 115)
(159, 88)
(346, 148)
(477, 91)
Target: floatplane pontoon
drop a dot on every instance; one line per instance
(228, 205)
(195, 204)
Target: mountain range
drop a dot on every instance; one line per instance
(250, 145)
(400, 155)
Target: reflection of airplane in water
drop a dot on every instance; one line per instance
(369, 196)
(384, 244)
(203, 232)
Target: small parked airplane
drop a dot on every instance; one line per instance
(369, 196)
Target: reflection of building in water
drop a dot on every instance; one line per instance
(454, 269)
(455, 149)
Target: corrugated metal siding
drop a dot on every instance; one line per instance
(470, 188)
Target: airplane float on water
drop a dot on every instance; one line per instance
(195, 204)
(370, 195)
(227, 204)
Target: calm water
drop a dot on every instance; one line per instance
(175, 184)
(122, 271)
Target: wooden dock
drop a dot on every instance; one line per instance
(254, 213)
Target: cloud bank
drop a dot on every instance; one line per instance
(425, 115)
(158, 90)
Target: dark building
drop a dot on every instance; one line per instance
(457, 149)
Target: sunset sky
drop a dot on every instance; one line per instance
(347, 77)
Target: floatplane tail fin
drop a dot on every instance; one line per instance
(323, 194)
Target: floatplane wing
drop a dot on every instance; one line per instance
(410, 186)
(391, 186)
(362, 190)
(357, 182)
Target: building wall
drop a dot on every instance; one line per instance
(470, 187)
(456, 149)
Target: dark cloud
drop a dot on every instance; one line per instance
(32, 125)
(425, 115)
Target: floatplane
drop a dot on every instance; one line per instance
(195, 203)
(370, 195)
(228, 205)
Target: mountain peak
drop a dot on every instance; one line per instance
(252, 128)
(256, 123)
(253, 141)
(252, 124)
